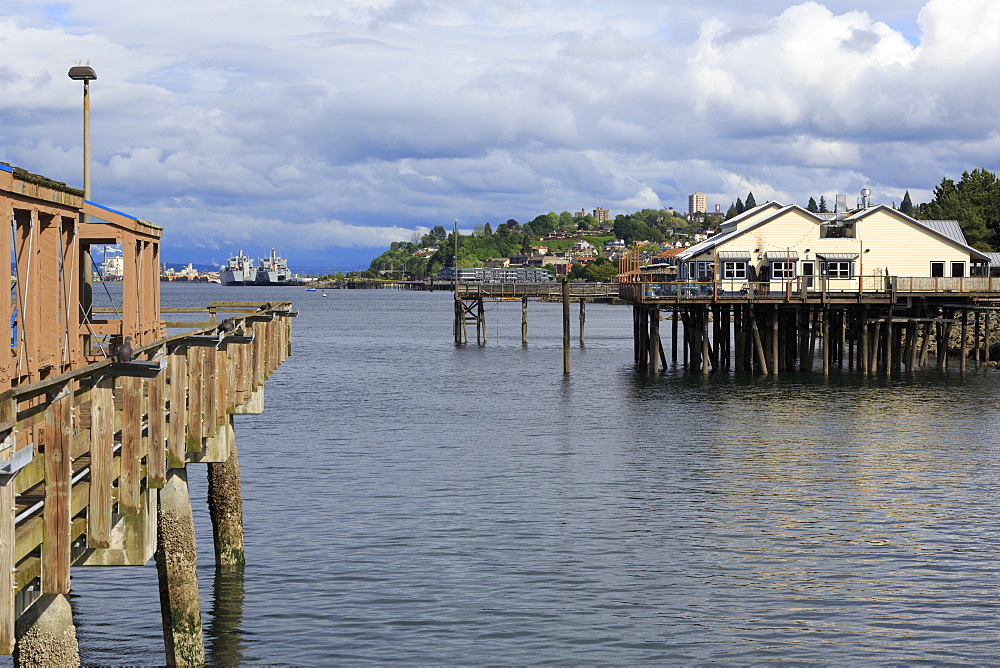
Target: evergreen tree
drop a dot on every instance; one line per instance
(739, 206)
(812, 206)
(822, 205)
(751, 202)
(974, 202)
(907, 205)
(731, 212)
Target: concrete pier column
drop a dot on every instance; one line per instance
(225, 506)
(177, 568)
(46, 635)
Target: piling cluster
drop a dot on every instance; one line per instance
(772, 338)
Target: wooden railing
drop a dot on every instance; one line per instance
(551, 290)
(806, 287)
(80, 450)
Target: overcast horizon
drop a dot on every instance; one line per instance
(328, 131)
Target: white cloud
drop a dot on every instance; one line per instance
(249, 121)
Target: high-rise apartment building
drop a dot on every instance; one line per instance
(697, 203)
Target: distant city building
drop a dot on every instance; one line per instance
(697, 203)
(582, 213)
(600, 215)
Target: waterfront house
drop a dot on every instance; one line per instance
(775, 245)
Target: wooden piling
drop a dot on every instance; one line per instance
(46, 635)
(654, 341)
(964, 340)
(524, 320)
(565, 310)
(225, 505)
(826, 346)
(583, 319)
(177, 570)
(673, 337)
(758, 345)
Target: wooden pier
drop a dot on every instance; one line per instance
(883, 325)
(470, 299)
(94, 449)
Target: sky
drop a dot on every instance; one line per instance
(327, 130)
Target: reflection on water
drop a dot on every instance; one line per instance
(407, 500)
(224, 643)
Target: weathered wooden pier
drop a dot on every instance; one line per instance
(884, 324)
(94, 450)
(470, 307)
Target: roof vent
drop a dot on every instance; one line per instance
(840, 208)
(866, 198)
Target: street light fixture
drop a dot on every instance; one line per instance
(86, 74)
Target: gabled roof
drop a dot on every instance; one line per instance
(735, 220)
(722, 238)
(948, 230)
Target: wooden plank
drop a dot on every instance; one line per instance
(7, 564)
(102, 418)
(210, 394)
(129, 499)
(260, 333)
(195, 368)
(176, 434)
(156, 459)
(58, 472)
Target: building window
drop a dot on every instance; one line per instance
(842, 230)
(782, 270)
(705, 271)
(937, 269)
(958, 269)
(734, 270)
(838, 269)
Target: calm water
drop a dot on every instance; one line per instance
(409, 501)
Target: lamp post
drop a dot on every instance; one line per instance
(86, 74)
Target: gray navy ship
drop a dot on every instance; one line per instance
(271, 270)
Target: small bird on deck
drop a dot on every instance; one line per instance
(239, 331)
(227, 326)
(265, 307)
(124, 352)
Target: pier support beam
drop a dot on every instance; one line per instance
(524, 320)
(46, 635)
(565, 311)
(225, 506)
(177, 568)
